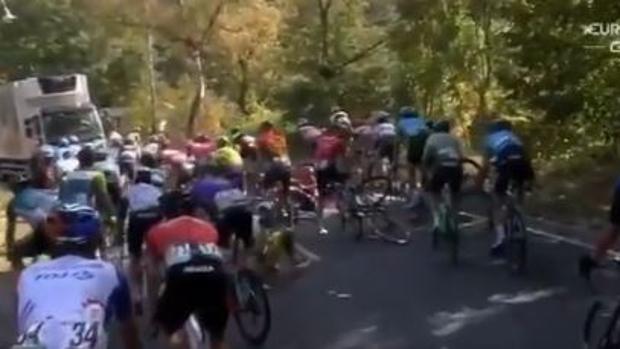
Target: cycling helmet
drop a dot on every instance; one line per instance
(265, 125)
(115, 139)
(339, 115)
(303, 122)
(430, 124)
(73, 139)
(407, 112)
(499, 125)
(201, 138)
(223, 141)
(47, 152)
(381, 117)
(80, 224)
(128, 157)
(442, 126)
(64, 142)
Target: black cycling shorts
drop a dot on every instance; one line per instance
(139, 224)
(328, 175)
(386, 148)
(614, 214)
(277, 173)
(442, 175)
(513, 172)
(198, 287)
(237, 221)
(415, 148)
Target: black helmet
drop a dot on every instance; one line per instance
(442, 126)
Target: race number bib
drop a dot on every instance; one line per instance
(230, 198)
(65, 335)
(184, 253)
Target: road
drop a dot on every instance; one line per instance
(370, 294)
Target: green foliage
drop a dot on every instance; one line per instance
(284, 59)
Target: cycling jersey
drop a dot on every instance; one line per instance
(274, 143)
(329, 147)
(201, 149)
(181, 230)
(310, 133)
(33, 204)
(228, 157)
(204, 192)
(384, 130)
(412, 127)
(80, 187)
(502, 146)
(442, 149)
(74, 298)
(143, 197)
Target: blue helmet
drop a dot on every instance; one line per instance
(82, 224)
(499, 125)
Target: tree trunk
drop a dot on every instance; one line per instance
(201, 90)
(244, 86)
(324, 7)
(152, 82)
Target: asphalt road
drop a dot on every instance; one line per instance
(371, 294)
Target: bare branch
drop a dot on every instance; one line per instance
(363, 53)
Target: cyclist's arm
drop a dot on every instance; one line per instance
(122, 305)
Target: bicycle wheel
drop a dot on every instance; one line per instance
(374, 191)
(388, 229)
(516, 238)
(253, 305)
(452, 235)
(600, 329)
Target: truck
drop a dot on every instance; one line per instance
(44, 110)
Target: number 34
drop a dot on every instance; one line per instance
(84, 333)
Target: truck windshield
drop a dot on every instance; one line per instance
(83, 123)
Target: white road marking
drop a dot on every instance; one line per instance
(307, 253)
(551, 236)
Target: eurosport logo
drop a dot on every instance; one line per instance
(604, 30)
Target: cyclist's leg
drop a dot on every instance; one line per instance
(323, 180)
(415, 148)
(436, 183)
(456, 182)
(213, 310)
(136, 230)
(504, 176)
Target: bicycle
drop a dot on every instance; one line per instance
(365, 204)
(608, 335)
(516, 230)
(248, 297)
(448, 228)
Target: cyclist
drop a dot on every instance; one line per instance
(506, 153)
(384, 133)
(87, 186)
(32, 200)
(67, 301)
(274, 159)
(442, 164)
(248, 150)
(195, 281)
(229, 159)
(225, 204)
(309, 133)
(331, 148)
(413, 131)
(143, 194)
(609, 238)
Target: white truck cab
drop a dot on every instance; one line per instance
(44, 110)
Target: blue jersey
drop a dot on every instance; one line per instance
(72, 293)
(412, 127)
(205, 190)
(34, 204)
(503, 145)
